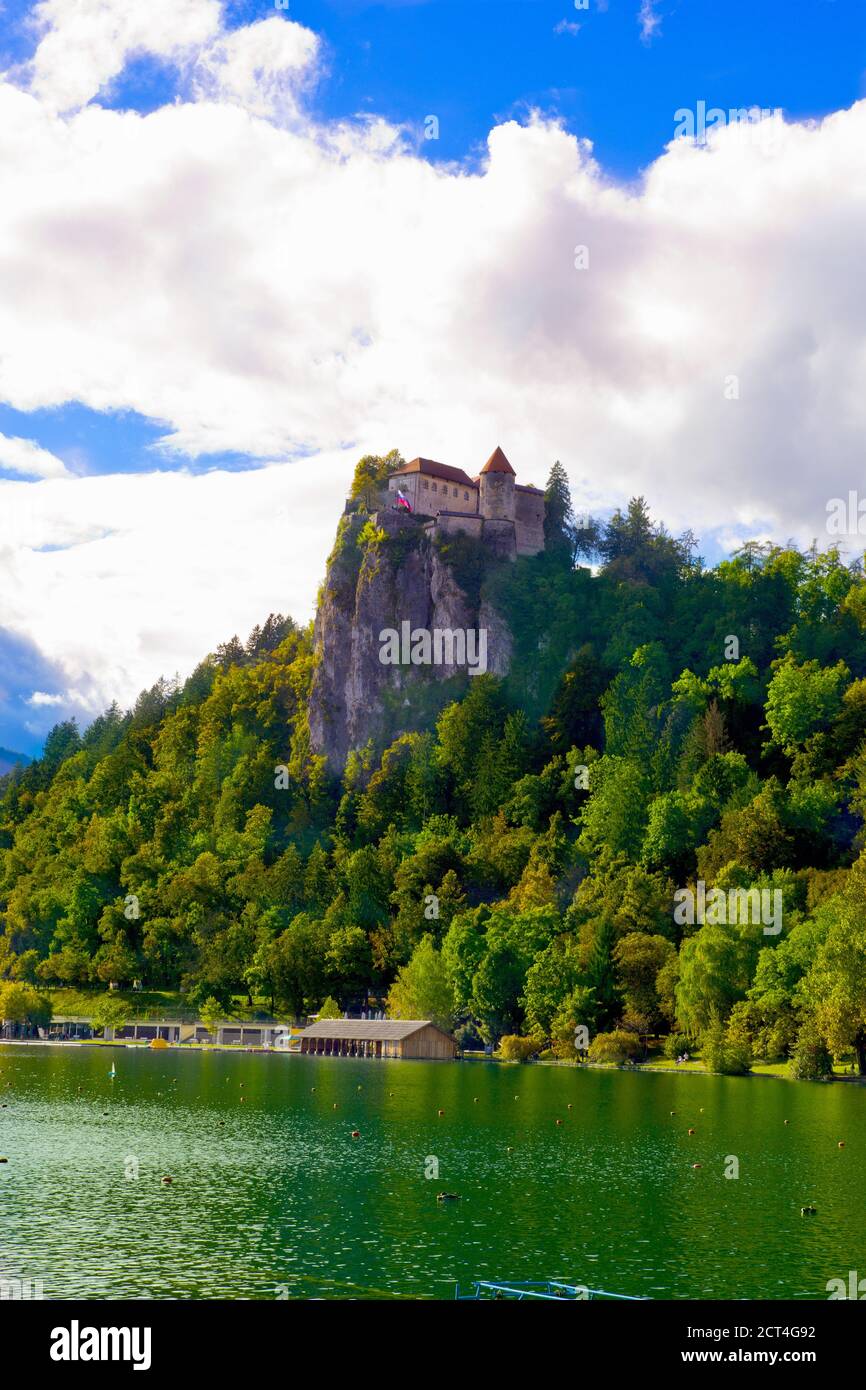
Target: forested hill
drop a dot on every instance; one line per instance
(512, 867)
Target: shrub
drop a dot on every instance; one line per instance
(675, 1045)
(616, 1047)
(515, 1049)
(721, 1052)
(811, 1060)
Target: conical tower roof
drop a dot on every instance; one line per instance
(498, 463)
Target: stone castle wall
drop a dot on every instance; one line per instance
(529, 521)
(497, 496)
(450, 497)
(459, 525)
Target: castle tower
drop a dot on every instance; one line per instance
(496, 484)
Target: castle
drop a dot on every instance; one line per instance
(493, 507)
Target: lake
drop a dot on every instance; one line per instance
(272, 1197)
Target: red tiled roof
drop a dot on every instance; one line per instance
(435, 470)
(497, 463)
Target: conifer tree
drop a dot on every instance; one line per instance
(559, 524)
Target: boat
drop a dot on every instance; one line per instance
(546, 1289)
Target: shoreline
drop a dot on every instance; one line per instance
(649, 1067)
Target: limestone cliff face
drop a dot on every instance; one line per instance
(404, 578)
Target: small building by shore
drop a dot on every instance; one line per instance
(360, 1037)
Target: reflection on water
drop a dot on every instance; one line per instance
(272, 1197)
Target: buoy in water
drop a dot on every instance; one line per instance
(559, 1122)
(569, 1106)
(841, 1143)
(691, 1131)
(335, 1105)
(441, 1112)
(808, 1211)
(3, 1158)
(447, 1197)
(167, 1181)
(356, 1134)
(697, 1165)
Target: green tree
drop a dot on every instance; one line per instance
(639, 958)
(109, 1012)
(560, 530)
(212, 1014)
(371, 476)
(422, 989)
(802, 699)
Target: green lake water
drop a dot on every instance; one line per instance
(272, 1196)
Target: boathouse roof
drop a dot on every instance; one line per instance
(385, 1030)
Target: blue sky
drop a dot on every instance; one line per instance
(141, 311)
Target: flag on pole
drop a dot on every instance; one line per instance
(403, 501)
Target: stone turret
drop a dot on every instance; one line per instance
(496, 483)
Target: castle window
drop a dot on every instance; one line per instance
(434, 487)
(455, 492)
(426, 484)
(466, 497)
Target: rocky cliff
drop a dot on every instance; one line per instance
(383, 573)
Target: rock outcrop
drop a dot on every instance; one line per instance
(386, 572)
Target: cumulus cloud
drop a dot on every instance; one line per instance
(261, 66)
(26, 457)
(277, 291)
(83, 44)
(118, 580)
(288, 289)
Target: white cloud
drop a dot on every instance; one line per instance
(649, 19)
(84, 44)
(566, 26)
(275, 287)
(123, 578)
(25, 457)
(261, 67)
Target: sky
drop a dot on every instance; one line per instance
(243, 244)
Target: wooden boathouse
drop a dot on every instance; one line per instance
(362, 1037)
